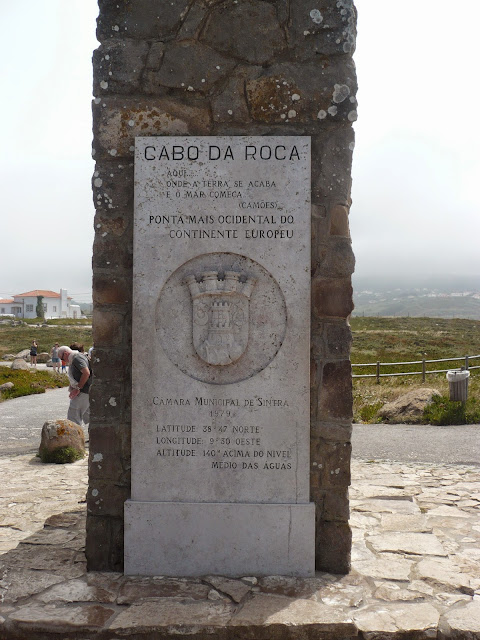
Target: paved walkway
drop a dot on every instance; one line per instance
(415, 567)
(22, 419)
(453, 444)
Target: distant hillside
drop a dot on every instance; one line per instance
(447, 297)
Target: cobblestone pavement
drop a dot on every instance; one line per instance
(415, 567)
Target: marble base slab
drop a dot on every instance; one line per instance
(194, 539)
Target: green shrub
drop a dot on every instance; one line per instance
(443, 411)
(63, 455)
(28, 382)
(368, 412)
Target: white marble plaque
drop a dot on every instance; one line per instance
(221, 342)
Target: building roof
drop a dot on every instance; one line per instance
(38, 292)
(7, 301)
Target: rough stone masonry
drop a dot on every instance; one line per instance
(213, 68)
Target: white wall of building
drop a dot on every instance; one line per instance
(51, 307)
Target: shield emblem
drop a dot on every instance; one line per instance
(220, 316)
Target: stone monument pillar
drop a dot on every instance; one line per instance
(223, 141)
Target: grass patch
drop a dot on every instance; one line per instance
(443, 411)
(407, 339)
(63, 455)
(15, 339)
(30, 382)
(368, 412)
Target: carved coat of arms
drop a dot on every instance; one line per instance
(220, 315)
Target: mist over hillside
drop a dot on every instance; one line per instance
(446, 296)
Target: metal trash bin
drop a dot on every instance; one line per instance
(458, 384)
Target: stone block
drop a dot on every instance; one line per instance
(338, 338)
(332, 297)
(300, 93)
(339, 225)
(338, 260)
(112, 184)
(194, 20)
(332, 504)
(336, 506)
(143, 20)
(138, 589)
(109, 399)
(111, 289)
(171, 617)
(462, 622)
(319, 233)
(264, 614)
(108, 327)
(191, 66)
(155, 56)
(109, 452)
(331, 174)
(333, 547)
(394, 620)
(106, 497)
(118, 66)
(109, 253)
(262, 37)
(336, 396)
(333, 431)
(328, 29)
(104, 543)
(229, 104)
(263, 539)
(117, 122)
(111, 364)
(333, 461)
(34, 619)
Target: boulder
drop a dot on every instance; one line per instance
(49, 363)
(25, 354)
(19, 363)
(409, 407)
(8, 356)
(43, 357)
(6, 385)
(62, 441)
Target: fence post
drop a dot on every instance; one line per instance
(378, 372)
(466, 363)
(423, 370)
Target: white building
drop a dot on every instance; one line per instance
(55, 305)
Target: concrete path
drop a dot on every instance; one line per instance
(417, 443)
(415, 568)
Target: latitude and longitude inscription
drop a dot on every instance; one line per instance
(223, 442)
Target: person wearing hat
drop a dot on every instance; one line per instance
(79, 377)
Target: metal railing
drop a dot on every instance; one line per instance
(422, 372)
